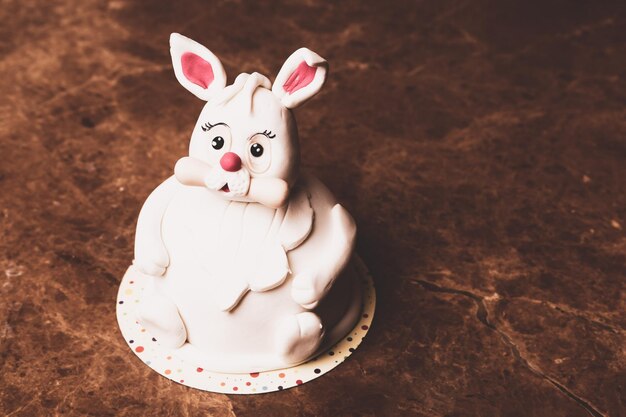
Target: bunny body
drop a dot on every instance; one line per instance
(249, 261)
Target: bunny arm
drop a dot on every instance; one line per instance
(151, 256)
(309, 287)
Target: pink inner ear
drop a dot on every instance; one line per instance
(301, 77)
(196, 69)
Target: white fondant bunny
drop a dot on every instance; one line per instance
(237, 220)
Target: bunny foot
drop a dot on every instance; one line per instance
(298, 336)
(151, 268)
(160, 317)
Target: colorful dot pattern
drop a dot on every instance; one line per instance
(165, 362)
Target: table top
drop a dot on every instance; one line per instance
(480, 146)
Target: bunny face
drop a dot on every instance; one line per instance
(245, 143)
(251, 135)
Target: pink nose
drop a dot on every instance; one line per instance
(231, 162)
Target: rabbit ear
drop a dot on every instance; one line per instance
(302, 76)
(196, 68)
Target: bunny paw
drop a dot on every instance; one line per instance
(304, 291)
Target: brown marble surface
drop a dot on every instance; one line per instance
(481, 147)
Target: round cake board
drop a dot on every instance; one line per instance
(165, 362)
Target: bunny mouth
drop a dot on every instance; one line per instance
(231, 184)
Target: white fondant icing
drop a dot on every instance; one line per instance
(248, 259)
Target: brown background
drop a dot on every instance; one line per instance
(481, 147)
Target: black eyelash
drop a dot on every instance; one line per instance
(206, 126)
(269, 134)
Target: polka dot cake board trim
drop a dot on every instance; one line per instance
(165, 362)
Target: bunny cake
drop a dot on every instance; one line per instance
(249, 262)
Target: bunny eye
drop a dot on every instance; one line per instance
(217, 143)
(258, 155)
(256, 150)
